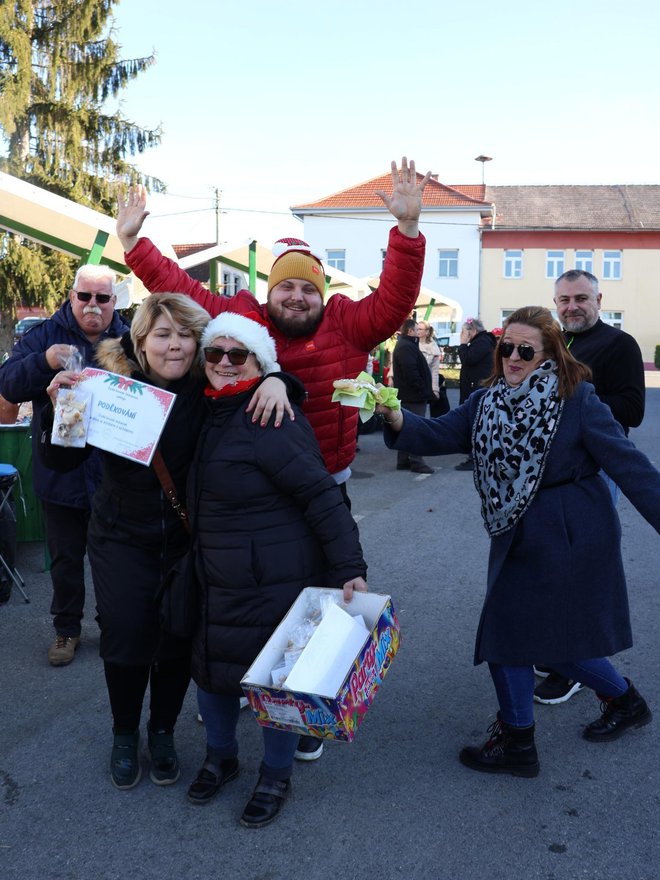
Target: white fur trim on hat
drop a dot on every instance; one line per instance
(249, 333)
(287, 245)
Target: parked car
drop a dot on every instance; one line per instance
(26, 324)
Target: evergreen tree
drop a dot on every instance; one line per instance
(59, 70)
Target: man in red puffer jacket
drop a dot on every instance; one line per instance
(318, 343)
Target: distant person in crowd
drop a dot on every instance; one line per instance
(412, 379)
(617, 371)
(87, 317)
(431, 351)
(267, 520)
(556, 588)
(136, 535)
(475, 352)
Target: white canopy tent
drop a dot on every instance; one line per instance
(73, 229)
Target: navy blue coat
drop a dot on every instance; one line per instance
(26, 375)
(556, 588)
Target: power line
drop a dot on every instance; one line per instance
(227, 210)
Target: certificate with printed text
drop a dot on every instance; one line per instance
(127, 416)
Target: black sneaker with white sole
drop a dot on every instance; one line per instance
(556, 689)
(310, 748)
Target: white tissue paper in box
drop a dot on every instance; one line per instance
(321, 668)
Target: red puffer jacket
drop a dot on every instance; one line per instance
(339, 347)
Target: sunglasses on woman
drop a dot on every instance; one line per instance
(237, 356)
(525, 352)
(101, 298)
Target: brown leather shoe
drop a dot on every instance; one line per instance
(62, 650)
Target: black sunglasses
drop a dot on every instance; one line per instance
(101, 298)
(525, 352)
(237, 356)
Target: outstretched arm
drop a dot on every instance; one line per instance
(405, 202)
(131, 214)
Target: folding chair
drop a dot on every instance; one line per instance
(8, 477)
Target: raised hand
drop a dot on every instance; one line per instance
(131, 214)
(405, 201)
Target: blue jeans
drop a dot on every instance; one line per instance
(615, 492)
(514, 685)
(220, 713)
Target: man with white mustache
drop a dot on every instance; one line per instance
(618, 377)
(86, 317)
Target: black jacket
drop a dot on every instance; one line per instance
(617, 368)
(135, 536)
(476, 362)
(411, 372)
(268, 520)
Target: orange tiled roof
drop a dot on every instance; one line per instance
(186, 250)
(436, 195)
(596, 207)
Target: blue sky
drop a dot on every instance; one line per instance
(278, 103)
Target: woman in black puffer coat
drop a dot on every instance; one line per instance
(268, 520)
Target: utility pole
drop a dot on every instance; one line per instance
(217, 214)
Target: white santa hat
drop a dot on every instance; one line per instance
(250, 331)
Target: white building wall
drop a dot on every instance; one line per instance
(364, 236)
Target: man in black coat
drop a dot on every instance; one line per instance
(412, 378)
(618, 377)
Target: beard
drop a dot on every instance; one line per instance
(296, 326)
(578, 323)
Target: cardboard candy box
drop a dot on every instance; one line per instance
(338, 716)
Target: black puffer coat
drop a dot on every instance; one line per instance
(268, 520)
(135, 536)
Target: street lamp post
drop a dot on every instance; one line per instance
(483, 160)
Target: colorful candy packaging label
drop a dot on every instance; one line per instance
(337, 716)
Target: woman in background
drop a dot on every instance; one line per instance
(431, 351)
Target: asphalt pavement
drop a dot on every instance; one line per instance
(395, 803)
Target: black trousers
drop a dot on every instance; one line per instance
(127, 686)
(66, 538)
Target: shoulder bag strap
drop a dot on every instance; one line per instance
(168, 487)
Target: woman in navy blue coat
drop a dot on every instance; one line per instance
(556, 591)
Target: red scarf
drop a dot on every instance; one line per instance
(231, 390)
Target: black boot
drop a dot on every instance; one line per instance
(619, 714)
(125, 769)
(213, 774)
(164, 761)
(266, 801)
(509, 750)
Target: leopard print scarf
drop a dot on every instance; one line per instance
(511, 439)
